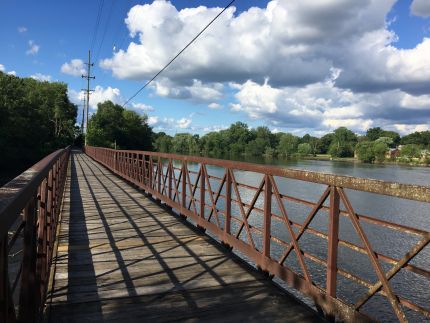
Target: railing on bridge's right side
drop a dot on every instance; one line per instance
(29, 209)
(169, 178)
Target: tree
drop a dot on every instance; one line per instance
(304, 149)
(36, 119)
(374, 133)
(394, 136)
(163, 142)
(112, 123)
(365, 151)
(287, 145)
(417, 138)
(343, 143)
(380, 148)
(324, 143)
(410, 151)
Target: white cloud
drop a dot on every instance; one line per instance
(22, 29)
(142, 107)
(33, 48)
(102, 94)
(184, 123)
(41, 77)
(11, 73)
(214, 106)
(99, 95)
(420, 8)
(299, 63)
(2, 68)
(405, 129)
(75, 67)
(324, 106)
(196, 91)
(214, 128)
(169, 124)
(293, 42)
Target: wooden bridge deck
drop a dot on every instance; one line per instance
(122, 257)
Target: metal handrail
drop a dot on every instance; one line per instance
(158, 176)
(33, 200)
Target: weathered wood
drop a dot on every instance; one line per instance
(122, 257)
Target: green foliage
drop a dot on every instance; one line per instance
(374, 133)
(162, 142)
(324, 143)
(343, 143)
(410, 151)
(269, 152)
(421, 139)
(36, 119)
(113, 124)
(377, 133)
(380, 148)
(288, 144)
(185, 143)
(365, 151)
(304, 149)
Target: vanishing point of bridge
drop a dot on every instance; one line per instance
(115, 235)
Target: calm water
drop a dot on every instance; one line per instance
(386, 241)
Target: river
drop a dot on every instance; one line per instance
(386, 241)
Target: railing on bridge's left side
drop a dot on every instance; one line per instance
(29, 210)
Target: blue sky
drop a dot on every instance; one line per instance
(293, 66)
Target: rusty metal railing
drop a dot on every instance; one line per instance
(29, 209)
(225, 212)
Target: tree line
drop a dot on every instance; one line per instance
(239, 140)
(36, 119)
(113, 126)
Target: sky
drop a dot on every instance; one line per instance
(299, 66)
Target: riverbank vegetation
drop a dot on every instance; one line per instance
(377, 145)
(36, 119)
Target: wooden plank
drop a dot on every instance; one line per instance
(123, 257)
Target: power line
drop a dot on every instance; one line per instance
(105, 30)
(96, 27)
(177, 55)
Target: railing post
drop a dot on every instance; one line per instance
(333, 239)
(41, 239)
(159, 173)
(151, 173)
(184, 185)
(6, 307)
(49, 219)
(202, 191)
(28, 303)
(115, 161)
(227, 225)
(144, 171)
(171, 174)
(267, 216)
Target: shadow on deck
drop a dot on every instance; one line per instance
(121, 256)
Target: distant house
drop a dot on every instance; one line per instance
(392, 153)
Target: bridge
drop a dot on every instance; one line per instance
(111, 235)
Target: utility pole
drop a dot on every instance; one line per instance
(83, 115)
(88, 77)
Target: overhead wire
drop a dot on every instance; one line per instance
(120, 32)
(96, 26)
(105, 29)
(178, 54)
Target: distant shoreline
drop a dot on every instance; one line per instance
(355, 160)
